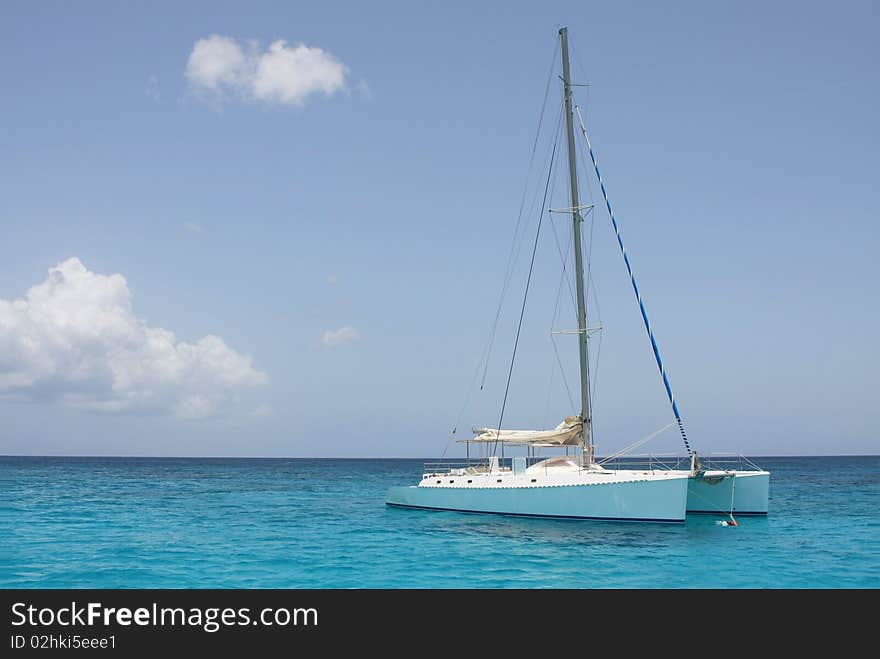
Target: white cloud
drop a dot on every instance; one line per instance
(290, 75)
(217, 62)
(339, 337)
(75, 338)
(282, 74)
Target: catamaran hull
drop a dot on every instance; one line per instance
(714, 493)
(633, 501)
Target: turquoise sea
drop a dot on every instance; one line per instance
(303, 523)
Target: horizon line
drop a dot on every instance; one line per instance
(293, 457)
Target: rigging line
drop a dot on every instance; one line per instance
(635, 445)
(590, 278)
(534, 204)
(516, 248)
(577, 59)
(591, 283)
(635, 287)
(566, 279)
(526, 292)
(484, 358)
(549, 396)
(510, 259)
(596, 372)
(587, 178)
(553, 320)
(599, 346)
(470, 391)
(586, 309)
(546, 94)
(587, 248)
(563, 255)
(732, 497)
(710, 503)
(563, 279)
(562, 370)
(589, 186)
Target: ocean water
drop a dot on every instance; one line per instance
(301, 523)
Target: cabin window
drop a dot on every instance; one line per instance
(498, 481)
(438, 482)
(470, 481)
(534, 480)
(451, 480)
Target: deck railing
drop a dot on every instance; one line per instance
(647, 462)
(475, 465)
(727, 462)
(457, 467)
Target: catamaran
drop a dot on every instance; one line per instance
(577, 485)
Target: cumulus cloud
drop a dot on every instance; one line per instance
(339, 337)
(75, 338)
(282, 74)
(217, 62)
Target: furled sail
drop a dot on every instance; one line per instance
(567, 433)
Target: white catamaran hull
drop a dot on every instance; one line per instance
(747, 492)
(650, 499)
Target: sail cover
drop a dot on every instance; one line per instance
(567, 433)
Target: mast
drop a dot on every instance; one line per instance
(587, 439)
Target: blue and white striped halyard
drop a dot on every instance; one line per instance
(635, 286)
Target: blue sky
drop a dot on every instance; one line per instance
(738, 142)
